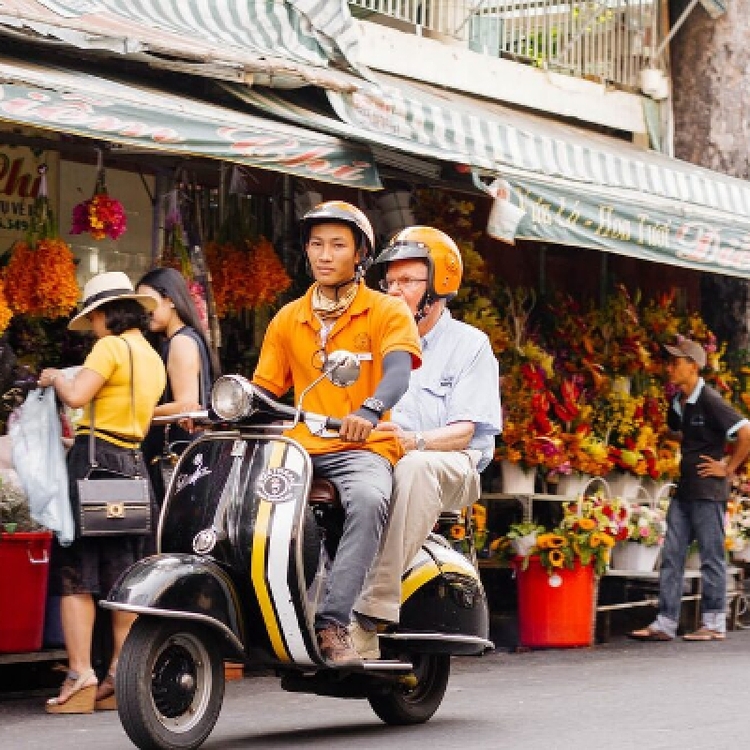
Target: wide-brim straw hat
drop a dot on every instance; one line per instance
(103, 288)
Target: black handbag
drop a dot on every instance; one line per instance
(112, 503)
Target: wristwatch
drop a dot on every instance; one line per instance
(374, 405)
(419, 441)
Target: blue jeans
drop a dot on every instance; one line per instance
(364, 481)
(702, 520)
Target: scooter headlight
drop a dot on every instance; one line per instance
(233, 397)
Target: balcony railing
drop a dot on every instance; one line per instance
(607, 40)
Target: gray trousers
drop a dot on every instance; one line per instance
(702, 520)
(364, 481)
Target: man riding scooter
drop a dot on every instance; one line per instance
(340, 312)
(446, 421)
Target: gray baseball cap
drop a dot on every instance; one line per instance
(690, 349)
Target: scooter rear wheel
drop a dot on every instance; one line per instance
(415, 704)
(169, 684)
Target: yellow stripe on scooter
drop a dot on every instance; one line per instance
(258, 564)
(419, 576)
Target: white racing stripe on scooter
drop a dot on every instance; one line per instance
(278, 564)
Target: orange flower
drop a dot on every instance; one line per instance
(245, 280)
(586, 524)
(40, 280)
(5, 312)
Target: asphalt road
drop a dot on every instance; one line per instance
(623, 694)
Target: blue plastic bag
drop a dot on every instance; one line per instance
(39, 461)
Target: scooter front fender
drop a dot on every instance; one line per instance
(181, 586)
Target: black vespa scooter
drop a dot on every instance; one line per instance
(244, 536)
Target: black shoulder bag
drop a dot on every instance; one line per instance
(112, 503)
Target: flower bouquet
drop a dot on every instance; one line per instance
(738, 530)
(639, 548)
(585, 535)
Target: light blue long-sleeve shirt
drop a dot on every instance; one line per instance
(458, 381)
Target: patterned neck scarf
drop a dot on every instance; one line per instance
(326, 309)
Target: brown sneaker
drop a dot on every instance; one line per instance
(336, 646)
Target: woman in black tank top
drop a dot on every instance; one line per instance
(191, 365)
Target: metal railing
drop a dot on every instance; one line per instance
(607, 40)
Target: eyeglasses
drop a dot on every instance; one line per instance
(402, 283)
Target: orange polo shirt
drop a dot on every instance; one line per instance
(374, 325)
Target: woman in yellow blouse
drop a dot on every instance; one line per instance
(123, 409)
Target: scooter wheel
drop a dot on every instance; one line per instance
(415, 704)
(169, 683)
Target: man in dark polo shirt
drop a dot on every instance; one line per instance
(705, 422)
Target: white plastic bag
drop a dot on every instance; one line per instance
(505, 216)
(39, 460)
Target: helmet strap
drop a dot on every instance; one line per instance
(354, 279)
(423, 309)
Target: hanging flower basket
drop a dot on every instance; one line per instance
(101, 216)
(40, 278)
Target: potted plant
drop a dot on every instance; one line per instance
(738, 530)
(14, 507)
(556, 570)
(639, 550)
(24, 562)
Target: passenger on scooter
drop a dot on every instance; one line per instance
(340, 312)
(446, 421)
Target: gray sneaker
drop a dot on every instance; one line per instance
(365, 641)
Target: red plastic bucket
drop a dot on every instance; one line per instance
(557, 611)
(24, 569)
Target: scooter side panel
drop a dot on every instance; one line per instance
(442, 592)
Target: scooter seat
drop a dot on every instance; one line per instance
(323, 492)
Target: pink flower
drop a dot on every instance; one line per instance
(199, 298)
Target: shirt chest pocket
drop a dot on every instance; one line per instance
(435, 395)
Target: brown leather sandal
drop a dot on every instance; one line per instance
(705, 634)
(649, 634)
(105, 694)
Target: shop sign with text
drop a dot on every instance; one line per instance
(19, 187)
(649, 232)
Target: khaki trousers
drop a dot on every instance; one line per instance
(425, 484)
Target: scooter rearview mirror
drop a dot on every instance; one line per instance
(342, 368)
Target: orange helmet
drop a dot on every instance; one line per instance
(341, 212)
(441, 253)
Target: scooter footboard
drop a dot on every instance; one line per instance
(181, 586)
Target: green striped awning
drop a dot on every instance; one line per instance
(290, 41)
(572, 186)
(69, 101)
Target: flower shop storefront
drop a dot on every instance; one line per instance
(611, 242)
(582, 381)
